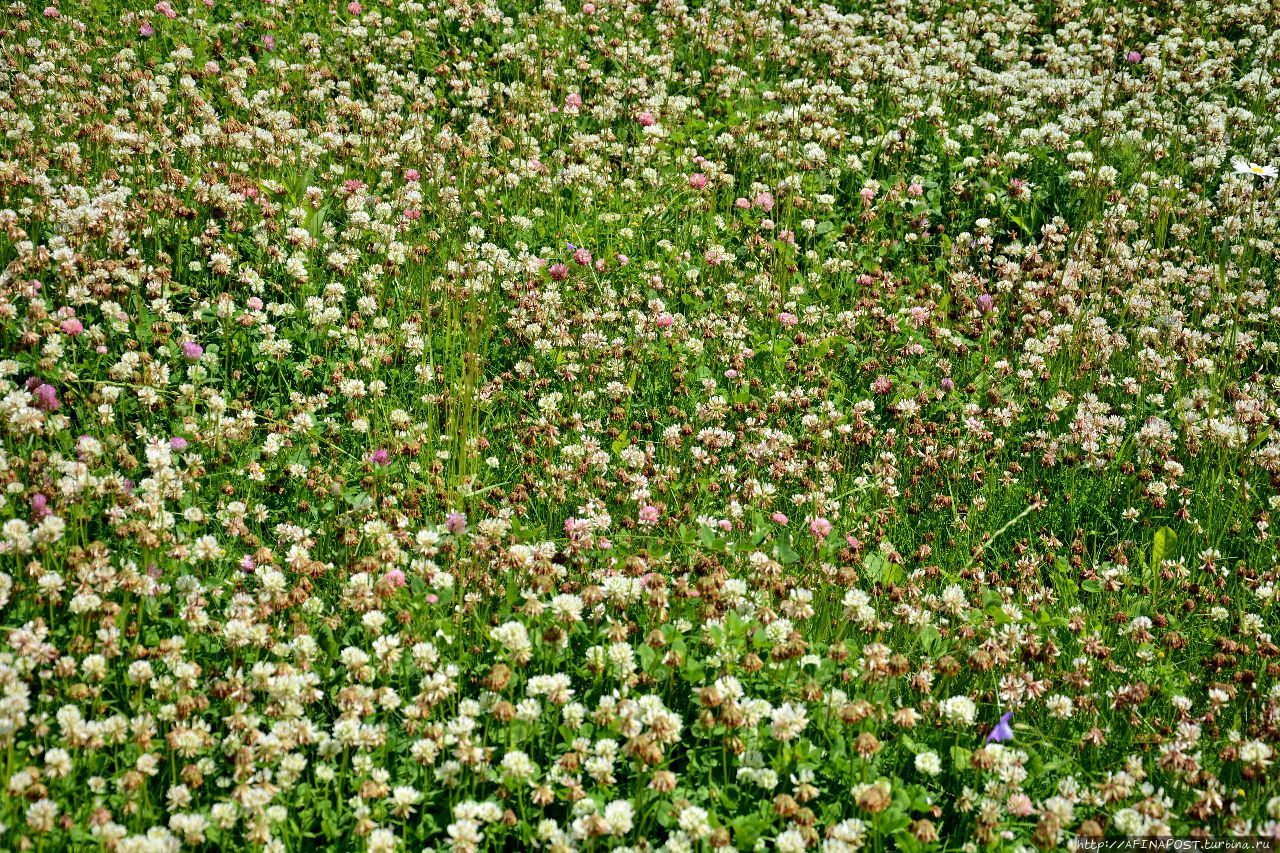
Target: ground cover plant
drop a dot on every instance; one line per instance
(459, 425)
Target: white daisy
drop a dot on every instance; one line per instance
(1244, 167)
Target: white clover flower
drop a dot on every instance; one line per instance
(694, 820)
(619, 817)
(788, 721)
(928, 763)
(517, 765)
(959, 710)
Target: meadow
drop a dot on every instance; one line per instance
(682, 425)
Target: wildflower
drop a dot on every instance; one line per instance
(380, 457)
(924, 831)
(1019, 805)
(1003, 731)
(697, 180)
(778, 518)
(558, 272)
(820, 527)
(928, 763)
(906, 717)
(875, 797)
(455, 522)
(582, 257)
(353, 8)
(958, 709)
(1256, 753)
(146, 30)
(788, 721)
(648, 515)
(695, 821)
(192, 351)
(269, 42)
(177, 442)
(517, 766)
(619, 817)
(47, 397)
(41, 815)
(790, 841)
(1133, 57)
(381, 840)
(1245, 167)
(72, 326)
(395, 577)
